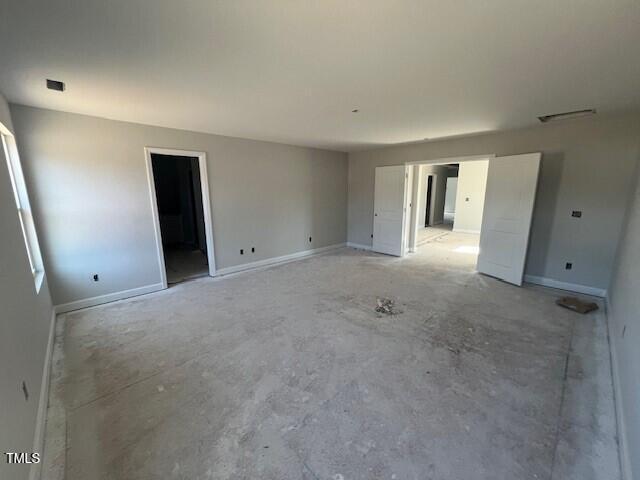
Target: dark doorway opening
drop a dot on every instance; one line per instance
(427, 217)
(181, 214)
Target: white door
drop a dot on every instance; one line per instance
(389, 210)
(506, 221)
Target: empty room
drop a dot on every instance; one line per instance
(322, 240)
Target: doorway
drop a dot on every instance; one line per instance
(427, 215)
(180, 204)
(494, 200)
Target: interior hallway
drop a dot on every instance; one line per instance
(289, 373)
(426, 234)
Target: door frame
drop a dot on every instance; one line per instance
(417, 164)
(414, 212)
(206, 205)
(441, 160)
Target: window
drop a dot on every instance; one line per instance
(24, 209)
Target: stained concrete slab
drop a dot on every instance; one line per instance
(289, 373)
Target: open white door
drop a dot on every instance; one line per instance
(389, 210)
(506, 221)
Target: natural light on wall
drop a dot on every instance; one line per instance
(22, 204)
(474, 250)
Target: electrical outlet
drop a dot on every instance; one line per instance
(568, 266)
(242, 251)
(309, 239)
(576, 213)
(253, 249)
(25, 391)
(96, 278)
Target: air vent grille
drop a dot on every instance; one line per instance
(565, 115)
(55, 85)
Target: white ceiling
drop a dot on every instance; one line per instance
(292, 70)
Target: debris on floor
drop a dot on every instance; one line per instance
(385, 306)
(577, 305)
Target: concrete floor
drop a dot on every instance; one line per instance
(289, 373)
(184, 264)
(426, 234)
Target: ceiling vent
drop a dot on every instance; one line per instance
(55, 85)
(566, 115)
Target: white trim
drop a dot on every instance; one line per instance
(206, 211)
(623, 445)
(156, 219)
(405, 206)
(38, 276)
(109, 297)
(359, 246)
(463, 230)
(206, 205)
(43, 402)
(444, 160)
(134, 292)
(277, 260)
(415, 210)
(571, 287)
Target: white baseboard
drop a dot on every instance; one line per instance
(43, 402)
(623, 445)
(267, 262)
(109, 297)
(571, 287)
(358, 246)
(134, 292)
(463, 230)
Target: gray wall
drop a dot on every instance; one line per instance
(25, 318)
(624, 324)
(470, 193)
(587, 165)
(92, 202)
(450, 195)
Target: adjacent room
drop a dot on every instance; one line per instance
(437, 190)
(431, 195)
(434, 230)
(319, 240)
(179, 201)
